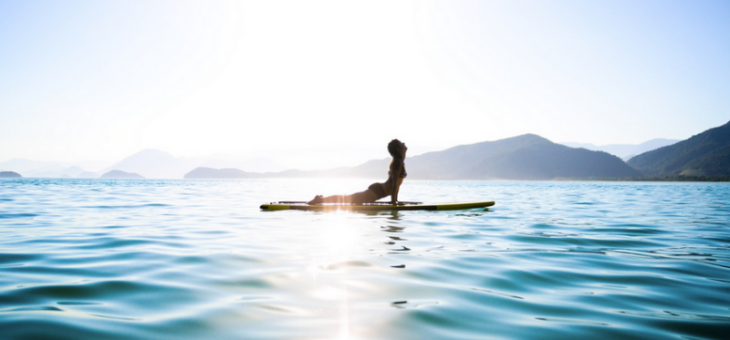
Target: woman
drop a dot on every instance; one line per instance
(376, 191)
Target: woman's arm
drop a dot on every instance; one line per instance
(395, 171)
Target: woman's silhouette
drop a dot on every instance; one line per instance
(376, 191)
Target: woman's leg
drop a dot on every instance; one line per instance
(366, 196)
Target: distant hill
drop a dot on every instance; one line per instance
(253, 164)
(9, 174)
(33, 168)
(26, 165)
(210, 173)
(149, 163)
(87, 174)
(120, 174)
(527, 157)
(203, 172)
(156, 164)
(705, 154)
(153, 163)
(50, 169)
(625, 151)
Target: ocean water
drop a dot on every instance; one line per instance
(196, 259)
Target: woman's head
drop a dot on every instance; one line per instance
(397, 148)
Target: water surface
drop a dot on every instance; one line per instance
(195, 259)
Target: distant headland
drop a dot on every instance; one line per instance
(9, 174)
(703, 155)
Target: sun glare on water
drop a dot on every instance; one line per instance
(334, 244)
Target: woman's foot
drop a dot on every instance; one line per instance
(317, 200)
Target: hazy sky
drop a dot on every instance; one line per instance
(105, 79)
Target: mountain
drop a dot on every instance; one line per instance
(156, 164)
(87, 174)
(704, 154)
(50, 169)
(149, 163)
(625, 151)
(527, 157)
(253, 164)
(153, 163)
(9, 174)
(33, 168)
(73, 171)
(210, 173)
(202, 172)
(121, 174)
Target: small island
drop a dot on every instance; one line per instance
(9, 174)
(121, 175)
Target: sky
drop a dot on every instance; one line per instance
(315, 84)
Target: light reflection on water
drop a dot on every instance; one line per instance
(197, 259)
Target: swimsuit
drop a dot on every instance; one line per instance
(403, 174)
(378, 189)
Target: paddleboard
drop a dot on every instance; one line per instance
(376, 206)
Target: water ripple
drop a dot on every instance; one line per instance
(154, 259)
(4, 216)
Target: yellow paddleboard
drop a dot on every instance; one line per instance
(377, 206)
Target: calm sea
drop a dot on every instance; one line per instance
(196, 259)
